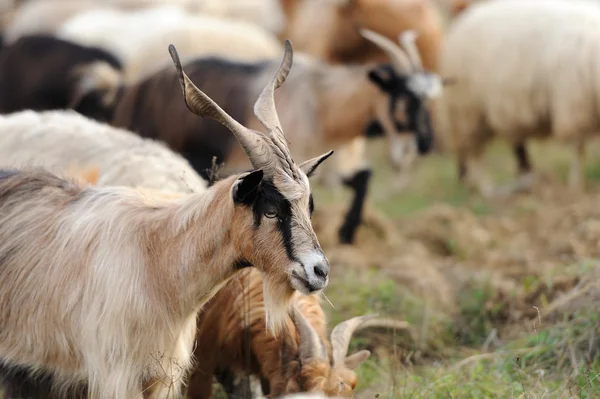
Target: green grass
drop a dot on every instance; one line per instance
(554, 361)
(454, 356)
(359, 292)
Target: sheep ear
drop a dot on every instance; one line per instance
(309, 167)
(246, 187)
(356, 359)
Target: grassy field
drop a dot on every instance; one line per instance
(503, 295)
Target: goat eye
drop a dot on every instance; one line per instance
(271, 214)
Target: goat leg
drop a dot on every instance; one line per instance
(360, 184)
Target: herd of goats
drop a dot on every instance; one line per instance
(130, 215)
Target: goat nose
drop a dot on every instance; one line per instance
(322, 270)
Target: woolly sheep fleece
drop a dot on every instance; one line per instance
(145, 51)
(522, 67)
(60, 140)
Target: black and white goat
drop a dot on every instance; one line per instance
(321, 106)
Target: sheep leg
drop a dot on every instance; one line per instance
(472, 174)
(577, 172)
(525, 178)
(360, 184)
(462, 171)
(522, 155)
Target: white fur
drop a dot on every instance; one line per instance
(46, 16)
(141, 37)
(308, 262)
(522, 68)
(43, 16)
(265, 13)
(59, 140)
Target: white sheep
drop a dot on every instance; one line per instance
(266, 13)
(522, 69)
(46, 16)
(61, 140)
(42, 16)
(139, 37)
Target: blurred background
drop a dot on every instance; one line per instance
(497, 276)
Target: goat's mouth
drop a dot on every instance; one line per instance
(306, 287)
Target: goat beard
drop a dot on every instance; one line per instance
(277, 295)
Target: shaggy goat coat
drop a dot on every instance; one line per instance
(231, 337)
(119, 315)
(121, 273)
(522, 68)
(97, 323)
(232, 342)
(60, 140)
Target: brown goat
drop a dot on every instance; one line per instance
(232, 338)
(327, 29)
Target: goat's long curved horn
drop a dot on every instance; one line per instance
(386, 323)
(341, 335)
(200, 104)
(266, 113)
(399, 59)
(408, 39)
(310, 342)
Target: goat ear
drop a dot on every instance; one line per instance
(246, 187)
(309, 167)
(356, 359)
(381, 77)
(374, 129)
